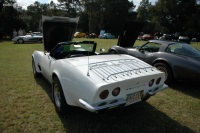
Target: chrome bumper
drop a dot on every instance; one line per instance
(119, 103)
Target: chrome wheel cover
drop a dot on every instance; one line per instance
(57, 97)
(20, 41)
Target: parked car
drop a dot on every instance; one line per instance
(83, 78)
(184, 39)
(177, 60)
(107, 36)
(92, 35)
(140, 38)
(147, 37)
(79, 35)
(33, 37)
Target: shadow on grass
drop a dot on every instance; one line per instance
(137, 118)
(189, 88)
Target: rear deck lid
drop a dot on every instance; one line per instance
(57, 29)
(130, 33)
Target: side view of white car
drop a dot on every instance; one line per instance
(28, 38)
(81, 77)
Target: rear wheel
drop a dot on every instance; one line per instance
(163, 67)
(58, 97)
(36, 74)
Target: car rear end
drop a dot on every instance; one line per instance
(125, 82)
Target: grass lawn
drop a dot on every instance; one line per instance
(26, 105)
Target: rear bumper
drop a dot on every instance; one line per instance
(121, 102)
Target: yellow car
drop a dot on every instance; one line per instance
(79, 35)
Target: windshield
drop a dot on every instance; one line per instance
(74, 49)
(183, 49)
(78, 47)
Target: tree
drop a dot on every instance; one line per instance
(143, 10)
(171, 16)
(101, 14)
(10, 17)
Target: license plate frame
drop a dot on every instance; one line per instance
(133, 98)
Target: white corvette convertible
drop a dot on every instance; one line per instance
(81, 77)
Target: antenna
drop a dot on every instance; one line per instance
(88, 73)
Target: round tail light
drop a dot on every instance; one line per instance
(151, 82)
(104, 94)
(116, 91)
(158, 81)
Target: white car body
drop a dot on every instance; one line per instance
(28, 38)
(84, 78)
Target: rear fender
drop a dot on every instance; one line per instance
(37, 56)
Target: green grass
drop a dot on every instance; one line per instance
(26, 105)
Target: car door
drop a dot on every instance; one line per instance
(47, 65)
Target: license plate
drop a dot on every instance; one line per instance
(133, 98)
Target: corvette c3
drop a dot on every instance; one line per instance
(83, 78)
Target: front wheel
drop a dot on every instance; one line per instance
(20, 41)
(113, 52)
(58, 97)
(167, 70)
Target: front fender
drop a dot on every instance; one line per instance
(118, 50)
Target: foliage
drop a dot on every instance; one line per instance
(172, 16)
(10, 17)
(166, 16)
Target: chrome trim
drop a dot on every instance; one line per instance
(120, 102)
(96, 109)
(154, 92)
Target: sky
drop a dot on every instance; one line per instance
(25, 3)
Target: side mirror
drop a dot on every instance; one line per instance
(141, 50)
(102, 50)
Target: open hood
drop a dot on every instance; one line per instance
(130, 33)
(57, 29)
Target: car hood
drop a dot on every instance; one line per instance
(57, 29)
(130, 33)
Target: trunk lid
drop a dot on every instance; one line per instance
(57, 29)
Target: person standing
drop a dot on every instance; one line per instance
(14, 33)
(24, 33)
(20, 32)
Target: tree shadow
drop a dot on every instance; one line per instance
(189, 88)
(139, 118)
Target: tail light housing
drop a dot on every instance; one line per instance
(151, 82)
(116, 91)
(104, 94)
(158, 81)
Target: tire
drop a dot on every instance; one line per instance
(112, 52)
(58, 97)
(20, 41)
(163, 67)
(35, 73)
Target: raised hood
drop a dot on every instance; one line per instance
(130, 33)
(57, 29)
